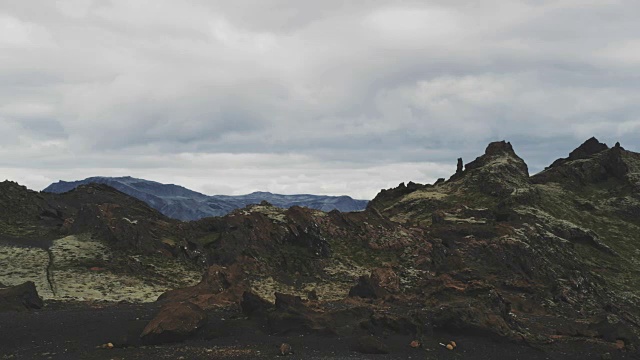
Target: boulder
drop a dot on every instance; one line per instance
(219, 287)
(175, 322)
(289, 302)
(20, 297)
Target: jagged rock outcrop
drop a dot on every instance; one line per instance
(590, 147)
(499, 172)
(606, 164)
(546, 232)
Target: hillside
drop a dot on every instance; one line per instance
(183, 204)
(547, 262)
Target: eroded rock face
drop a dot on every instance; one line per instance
(175, 322)
(20, 298)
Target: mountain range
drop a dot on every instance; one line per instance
(183, 204)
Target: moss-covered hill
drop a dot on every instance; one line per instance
(560, 247)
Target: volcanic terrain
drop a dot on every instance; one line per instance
(506, 264)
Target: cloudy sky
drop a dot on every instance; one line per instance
(291, 96)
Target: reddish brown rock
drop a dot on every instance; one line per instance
(387, 279)
(220, 287)
(175, 322)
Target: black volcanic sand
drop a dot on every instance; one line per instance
(76, 331)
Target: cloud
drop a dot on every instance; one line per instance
(324, 97)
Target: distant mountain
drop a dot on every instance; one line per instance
(181, 203)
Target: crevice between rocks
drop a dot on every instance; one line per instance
(50, 280)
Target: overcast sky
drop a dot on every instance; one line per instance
(291, 96)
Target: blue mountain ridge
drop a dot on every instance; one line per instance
(184, 204)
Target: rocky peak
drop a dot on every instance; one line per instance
(591, 163)
(498, 172)
(499, 147)
(499, 152)
(587, 149)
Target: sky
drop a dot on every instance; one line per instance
(291, 96)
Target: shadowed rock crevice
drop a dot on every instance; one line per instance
(49, 270)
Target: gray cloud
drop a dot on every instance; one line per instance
(290, 96)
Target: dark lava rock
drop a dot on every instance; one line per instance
(253, 305)
(600, 167)
(588, 148)
(370, 345)
(364, 288)
(219, 286)
(292, 315)
(175, 322)
(459, 166)
(20, 298)
(288, 302)
(381, 283)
